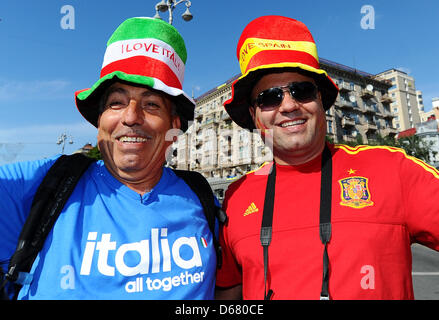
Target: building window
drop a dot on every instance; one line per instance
(330, 129)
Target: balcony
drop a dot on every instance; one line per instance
(387, 114)
(369, 109)
(371, 126)
(366, 94)
(347, 122)
(386, 99)
(348, 137)
(389, 131)
(345, 87)
(346, 104)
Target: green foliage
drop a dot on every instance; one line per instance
(94, 153)
(416, 147)
(413, 146)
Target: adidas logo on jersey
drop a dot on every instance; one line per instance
(251, 209)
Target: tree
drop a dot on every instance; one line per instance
(417, 147)
(414, 146)
(94, 153)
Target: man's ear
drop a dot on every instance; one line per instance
(176, 122)
(252, 113)
(319, 97)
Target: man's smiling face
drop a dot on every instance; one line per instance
(298, 129)
(132, 131)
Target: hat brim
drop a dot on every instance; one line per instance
(238, 106)
(87, 100)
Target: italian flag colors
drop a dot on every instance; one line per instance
(203, 242)
(143, 51)
(147, 51)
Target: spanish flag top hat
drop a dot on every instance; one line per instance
(271, 44)
(142, 51)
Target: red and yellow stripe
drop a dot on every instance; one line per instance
(253, 51)
(357, 149)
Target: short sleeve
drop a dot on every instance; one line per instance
(420, 190)
(18, 184)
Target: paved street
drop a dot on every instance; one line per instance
(425, 273)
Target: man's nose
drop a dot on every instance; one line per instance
(288, 103)
(133, 114)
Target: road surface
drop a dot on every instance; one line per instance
(425, 273)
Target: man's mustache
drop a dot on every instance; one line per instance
(129, 132)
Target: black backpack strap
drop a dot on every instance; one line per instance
(48, 202)
(202, 189)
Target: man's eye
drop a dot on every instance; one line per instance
(116, 105)
(151, 106)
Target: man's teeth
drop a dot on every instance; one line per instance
(292, 123)
(132, 139)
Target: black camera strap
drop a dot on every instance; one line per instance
(325, 220)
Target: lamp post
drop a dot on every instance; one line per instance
(62, 140)
(169, 5)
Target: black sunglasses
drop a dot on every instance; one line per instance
(272, 98)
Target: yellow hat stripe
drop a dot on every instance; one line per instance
(285, 65)
(252, 46)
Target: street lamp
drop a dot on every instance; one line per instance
(62, 140)
(169, 5)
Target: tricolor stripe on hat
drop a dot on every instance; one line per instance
(142, 51)
(275, 44)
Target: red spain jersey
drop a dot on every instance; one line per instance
(382, 202)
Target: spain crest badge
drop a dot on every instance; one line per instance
(355, 192)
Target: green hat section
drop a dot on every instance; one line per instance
(150, 28)
(143, 52)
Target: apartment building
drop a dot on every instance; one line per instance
(362, 109)
(215, 146)
(405, 98)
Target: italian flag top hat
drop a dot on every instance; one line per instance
(271, 44)
(142, 51)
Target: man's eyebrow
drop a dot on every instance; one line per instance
(148, 92)
(116, 89)
(121, 90)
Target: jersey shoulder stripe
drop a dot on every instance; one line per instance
(360, 148)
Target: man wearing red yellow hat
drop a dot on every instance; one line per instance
(321, 221)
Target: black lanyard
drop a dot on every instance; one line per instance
(325, 220)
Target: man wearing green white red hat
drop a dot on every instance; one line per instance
(132, 228)
(321, 221)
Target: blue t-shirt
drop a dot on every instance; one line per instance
(109, 242)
